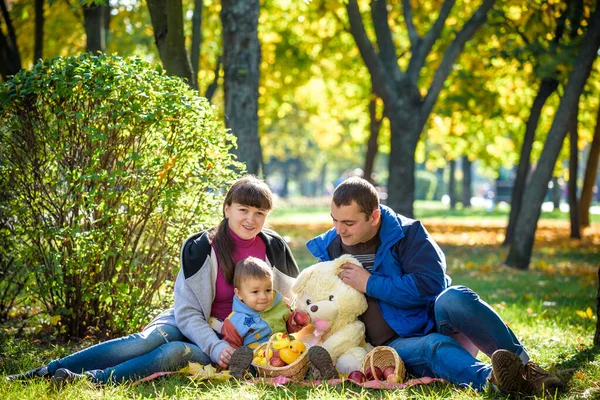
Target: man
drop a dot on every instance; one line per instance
(436, 329)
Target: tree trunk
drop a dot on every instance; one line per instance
(597, 334)
(466, 182)
(573, 168)
(591, 171)
(93, 22)
(401, 181)
(556, 193)
(196, 37)
(167, 23)
(38, 51)
(374, 128)
(10, 59)
(241, 61)
(522, 245)
(452, 184)
(547, 87)
(322, 180)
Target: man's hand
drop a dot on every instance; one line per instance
(225, 357)
(355, 276)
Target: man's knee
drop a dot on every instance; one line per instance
(455, 297)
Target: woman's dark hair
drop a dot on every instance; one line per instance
(247, 191)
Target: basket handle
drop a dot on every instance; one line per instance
(373, 365)
(267, 357)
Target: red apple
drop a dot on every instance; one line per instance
(387, 371)
(276, 361)
(371, 376)
(357, 376)
(301, 318)
(392, 378)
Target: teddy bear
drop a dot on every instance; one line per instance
(334, 308)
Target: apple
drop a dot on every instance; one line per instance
(376, 373)
(276, 361)
(387, 371)
(301, 318)
(357, 376)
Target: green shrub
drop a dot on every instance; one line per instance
(114, 164)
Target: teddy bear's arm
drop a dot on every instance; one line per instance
(349, 336)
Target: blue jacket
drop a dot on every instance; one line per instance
(408, 275)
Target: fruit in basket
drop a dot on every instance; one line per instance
(280, 340)
(260, 361)
(387, 371)
(357, 376)
(292, 352)
(261, 353)
(276, 361)
(392, 378)
(374, 373)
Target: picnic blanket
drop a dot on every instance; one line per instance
(282, 380)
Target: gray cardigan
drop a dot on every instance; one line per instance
(195, 287)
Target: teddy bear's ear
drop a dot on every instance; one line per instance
(343, 259)
(302, 280)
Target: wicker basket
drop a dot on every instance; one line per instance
(296, 370)
(383, 357)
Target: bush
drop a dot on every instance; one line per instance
(112, 164)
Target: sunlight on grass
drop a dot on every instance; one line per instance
(550, 307)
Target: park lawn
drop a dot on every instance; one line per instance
(550, 307)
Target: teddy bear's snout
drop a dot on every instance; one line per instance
(314, 308)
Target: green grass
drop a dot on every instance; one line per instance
(545, 306)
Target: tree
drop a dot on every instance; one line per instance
(39, 31)
(573, 168)
(241, 63)
(591, 171)
(522, 245)
(547, 58)
(466, 182)
(10, 58)
(167, 22)
(96, 17)
(399, 89)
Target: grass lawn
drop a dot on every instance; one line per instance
(550, 307)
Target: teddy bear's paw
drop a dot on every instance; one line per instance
(321, 361)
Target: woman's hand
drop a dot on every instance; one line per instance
(225, 357)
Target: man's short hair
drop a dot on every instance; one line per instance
(251, 268)
(358, 190)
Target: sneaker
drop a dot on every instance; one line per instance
(240, 361)
(40, 372)
(321, 361)
(63, 376)
(541, 379)
(508, 373)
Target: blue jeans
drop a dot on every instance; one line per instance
(158, 348)
(464, 324)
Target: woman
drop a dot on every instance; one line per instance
(203, 290)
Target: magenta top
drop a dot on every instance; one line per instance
(256, 247)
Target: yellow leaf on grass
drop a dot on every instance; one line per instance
(587, 314)
(201, 372)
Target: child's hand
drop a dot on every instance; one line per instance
(297, 320)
